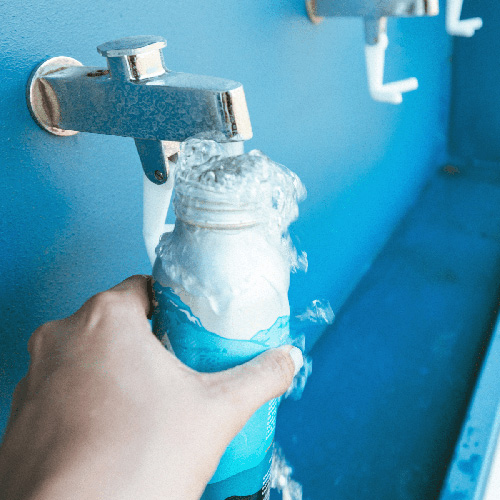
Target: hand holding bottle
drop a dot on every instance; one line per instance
(106, 411)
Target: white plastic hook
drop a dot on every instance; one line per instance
(457, 27)
(156, 200)
(375, 61)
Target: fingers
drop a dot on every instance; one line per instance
(265, 377)
(115, 309)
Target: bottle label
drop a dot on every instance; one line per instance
(250, 484)
(182, 332)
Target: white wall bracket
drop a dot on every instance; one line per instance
(156, 200)
(460, 27)
(376, 45)
(384, 92)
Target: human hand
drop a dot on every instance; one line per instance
(106, 412)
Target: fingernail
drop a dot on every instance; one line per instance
(297, 358)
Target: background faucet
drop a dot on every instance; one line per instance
(375, 13)
(137, 96)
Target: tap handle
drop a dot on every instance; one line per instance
(131, 45)
(134, 58)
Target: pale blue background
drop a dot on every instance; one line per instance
(71, 207)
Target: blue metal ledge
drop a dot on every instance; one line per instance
(393, 377)
(470, 468)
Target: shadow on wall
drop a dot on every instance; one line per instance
(475, 110)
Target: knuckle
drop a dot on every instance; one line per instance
(116, 302)
(39, 337)
(282, 367)
(34, 342)
(210, 385)
(140, 277)
(218, 389)
(104, 301)
(104, 305)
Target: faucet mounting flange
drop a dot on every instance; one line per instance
(42, 101)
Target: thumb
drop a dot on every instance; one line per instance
(261, 379)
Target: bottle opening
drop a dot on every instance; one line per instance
(215, 189)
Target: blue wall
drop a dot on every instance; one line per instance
(475, 110)
(71, 207)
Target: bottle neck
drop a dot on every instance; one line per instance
(215, 214)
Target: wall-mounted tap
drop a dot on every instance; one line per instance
(375, 13)
(137, 96)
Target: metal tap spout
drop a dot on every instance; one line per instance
(137, 96)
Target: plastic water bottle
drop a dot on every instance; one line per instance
(221, 288)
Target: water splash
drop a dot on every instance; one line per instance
(281, 477)
(248, 185)
(207, 175)
(250, 179)
(299, 382)
(319, 312)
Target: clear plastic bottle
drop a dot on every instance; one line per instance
(221, 293)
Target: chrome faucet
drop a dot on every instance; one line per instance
(374, 8)
(375, 13)
(137, 96)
